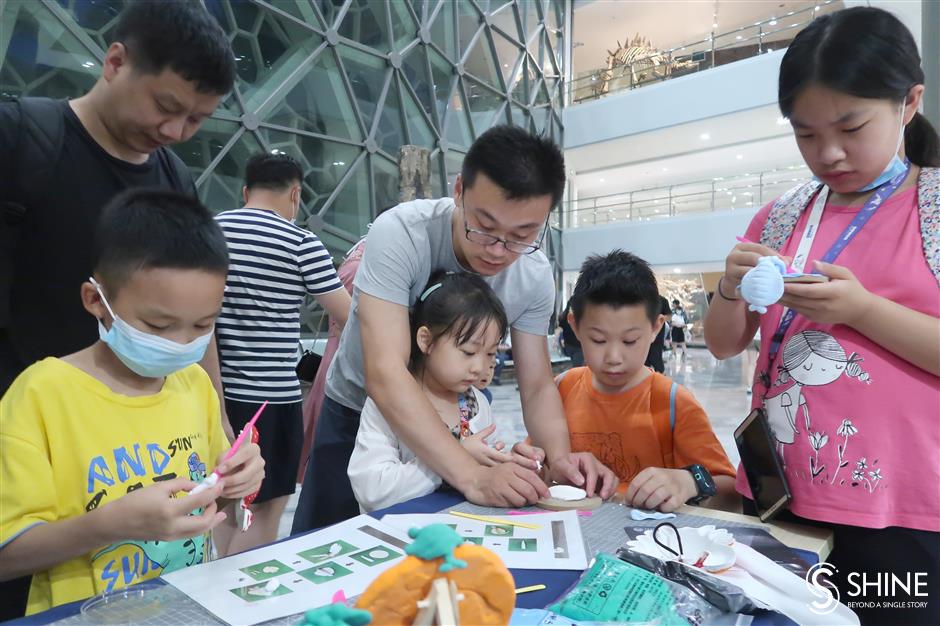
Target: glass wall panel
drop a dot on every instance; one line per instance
(299, 94)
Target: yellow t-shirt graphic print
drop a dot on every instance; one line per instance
(71, 445)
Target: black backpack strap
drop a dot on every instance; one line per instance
(39, 144)
(42, 131)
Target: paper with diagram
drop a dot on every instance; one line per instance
(295, 575)
(556, 544)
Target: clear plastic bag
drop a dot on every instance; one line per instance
(615, 591)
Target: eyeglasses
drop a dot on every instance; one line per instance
(486, 239)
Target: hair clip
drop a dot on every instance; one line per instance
(429, 291)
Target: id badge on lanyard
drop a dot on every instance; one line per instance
(812, 228)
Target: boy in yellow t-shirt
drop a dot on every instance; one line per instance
(100, 446)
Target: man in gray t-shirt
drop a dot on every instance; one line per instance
(494, 226)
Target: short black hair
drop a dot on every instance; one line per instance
(522, 164)
(154, 228)
(181, 35)
(272, 171)
(458, 304)
(616, 279)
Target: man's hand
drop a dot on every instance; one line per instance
(582, 469)
(155, 513)
(505, 485)
(481, 451)
(661, 488)
(243, 473)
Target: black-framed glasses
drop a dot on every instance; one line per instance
(486, 239)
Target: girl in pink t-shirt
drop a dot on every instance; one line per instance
(851, 387)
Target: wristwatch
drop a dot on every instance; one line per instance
(703, 482)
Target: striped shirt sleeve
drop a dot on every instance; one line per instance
(316, 266)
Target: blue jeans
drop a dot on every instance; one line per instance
(327, 497)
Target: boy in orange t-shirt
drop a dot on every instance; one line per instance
(621, 411)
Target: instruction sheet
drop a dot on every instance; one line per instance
(294, 575)
(557, 543)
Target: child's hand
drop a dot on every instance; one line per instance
(243, 472)
(481, 451)
(842, 300)
(740, 261)
(153, 513)
(531, 457)
(583, 469)
(660, 488)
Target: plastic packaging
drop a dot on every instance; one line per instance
(724, 596)
(615, 591)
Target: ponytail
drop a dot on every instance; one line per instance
(921, 143)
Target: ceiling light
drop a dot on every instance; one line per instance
(773, 22)
(739, 37)
(715, 25)
(817, 8)
(704, 136)
(601, 179)
(739, 156)
(665, 169)
(677, 270)
(782, 121)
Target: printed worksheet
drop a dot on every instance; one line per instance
(294, 575)
(556, 543)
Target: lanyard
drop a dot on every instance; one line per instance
(812, 227)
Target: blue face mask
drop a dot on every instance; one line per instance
(148, 355)
(895, 166)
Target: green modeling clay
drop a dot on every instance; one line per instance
(434, 542)
(336, 615)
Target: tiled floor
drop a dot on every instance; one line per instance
(718, 385)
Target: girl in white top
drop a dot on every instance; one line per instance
(456, 326)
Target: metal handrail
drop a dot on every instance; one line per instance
(594, 84)
(708, 195)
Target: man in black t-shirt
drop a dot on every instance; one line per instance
(61, 162)
(166, 71)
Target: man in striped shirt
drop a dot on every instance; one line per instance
(274, 264)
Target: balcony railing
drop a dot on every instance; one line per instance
(714, 49)
(722, 193)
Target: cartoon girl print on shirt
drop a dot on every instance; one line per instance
(811, 358)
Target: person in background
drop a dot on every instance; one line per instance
(313, 404)
(570, 346)
(679, 322)
(655, 357)
(274, 265)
